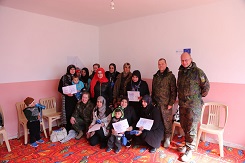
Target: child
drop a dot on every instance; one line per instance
(79, 85)
(117, 116)
(32, 115)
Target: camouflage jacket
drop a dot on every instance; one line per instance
(164, 89)
(192, 85)
(84, 111)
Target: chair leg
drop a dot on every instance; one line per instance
(18, 136)
(6, 141)
(50, 125)
(221, 150)
(44, 129)
(1, 139)
(199, 133)
(25, 134)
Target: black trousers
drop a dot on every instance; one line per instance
(34, 129)
(98, 138)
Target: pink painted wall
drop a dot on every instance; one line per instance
(17, 92)
(231, 95)
(219, 92)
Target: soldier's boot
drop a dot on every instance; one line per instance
(187, 156)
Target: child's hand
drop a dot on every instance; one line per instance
(139, 133)
(141, 128)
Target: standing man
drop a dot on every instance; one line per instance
(164, 94)
(192, 85)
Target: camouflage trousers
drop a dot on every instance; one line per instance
(167, 120)
(80, 125)
(189, 119)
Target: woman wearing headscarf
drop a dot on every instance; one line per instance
(85, 79)
(131, 117)
(111, 75)
(99, 85)
(102, 116)
(137, 84)
(68, 100)
(152, 137)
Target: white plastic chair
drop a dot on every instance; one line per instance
(175, 124)
(50, 112)
(217, 115)
(3, 133)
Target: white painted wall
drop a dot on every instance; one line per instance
(215, 33)
(35, 47)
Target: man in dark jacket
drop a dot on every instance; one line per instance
(192, 85)
(164, 94)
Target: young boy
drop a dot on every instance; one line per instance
(115, 138)
(79, 85)
(32, 115)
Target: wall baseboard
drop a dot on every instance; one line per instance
(229, 144)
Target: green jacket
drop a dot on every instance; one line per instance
(164, 90)
(84, 111)
(192, 85)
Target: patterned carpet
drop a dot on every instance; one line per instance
(79, 151)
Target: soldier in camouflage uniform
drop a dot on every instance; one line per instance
(164, 94)
(192, 85)
(82, 116)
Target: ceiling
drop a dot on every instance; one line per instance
(99, 12)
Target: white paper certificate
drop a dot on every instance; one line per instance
(120, 126)
(133, 95)
(71, 89)
(146, 123)
(94, 127)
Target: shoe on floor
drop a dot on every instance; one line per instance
(117, 151)
(34, 144)
(128, 144)
(153, 150)
(182, 149)
(80, 134)
(40, 141)
(108, 149)
(187, 156)
(166, 143)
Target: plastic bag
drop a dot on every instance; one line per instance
(58, 135)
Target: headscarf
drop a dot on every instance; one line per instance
(95, 79)
(69, 68)
(147, 99)
(136, 85)
(101, 112)
(86, 77)
(67, 78)
(145, 112)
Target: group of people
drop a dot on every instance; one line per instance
(102, 100)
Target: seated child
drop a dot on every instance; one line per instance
(32, 115)
(115, 138)
(79, 85)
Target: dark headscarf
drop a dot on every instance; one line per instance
(69, 68)
(114, 65)
(86, 77)
(145, 112)
(136, 85)
(147, 99)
